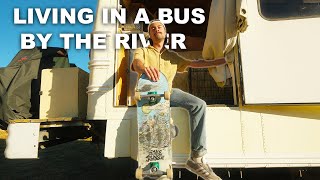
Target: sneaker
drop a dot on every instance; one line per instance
(201, 169)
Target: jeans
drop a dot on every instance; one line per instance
(197, 111)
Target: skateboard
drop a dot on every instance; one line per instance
(154, 122)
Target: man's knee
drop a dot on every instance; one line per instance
(200, 105)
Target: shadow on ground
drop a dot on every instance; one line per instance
(73, 160)
(85, 160)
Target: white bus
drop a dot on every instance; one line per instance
(263, 106)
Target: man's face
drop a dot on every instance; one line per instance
(157, 31)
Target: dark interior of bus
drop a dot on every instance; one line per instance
(196, 81)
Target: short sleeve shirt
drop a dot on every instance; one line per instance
(167, 61)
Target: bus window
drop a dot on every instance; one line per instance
(289, 9)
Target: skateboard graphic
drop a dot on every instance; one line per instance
(154, 135)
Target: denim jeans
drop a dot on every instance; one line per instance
(197, 111)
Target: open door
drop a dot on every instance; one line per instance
(279, 52)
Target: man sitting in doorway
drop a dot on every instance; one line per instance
(155, 59)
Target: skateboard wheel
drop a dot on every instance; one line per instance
(170, 173)
(137, 96)
(139, 173)
(167, 95)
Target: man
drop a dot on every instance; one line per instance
(155, 59)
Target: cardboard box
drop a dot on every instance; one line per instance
(63, 93)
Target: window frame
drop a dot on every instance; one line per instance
(259, 4)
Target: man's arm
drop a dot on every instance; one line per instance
(207, 63)
(138, 66)
(152, 73)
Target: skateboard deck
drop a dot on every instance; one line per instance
(154, 137)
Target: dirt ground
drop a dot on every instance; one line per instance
(73, 160)
(85, 160)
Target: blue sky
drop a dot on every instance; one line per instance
(10, 32)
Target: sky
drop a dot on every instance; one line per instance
(10, 33)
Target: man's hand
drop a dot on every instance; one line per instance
(152, 73)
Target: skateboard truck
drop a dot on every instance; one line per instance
(154, 167)
(138, 96)
(152, 171)
(153, 99)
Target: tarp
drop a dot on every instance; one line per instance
(226, 20)
(20, 82)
